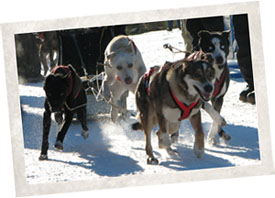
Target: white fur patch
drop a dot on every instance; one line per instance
(171, 114)
(214, 114)
(218, 51)
(164, 140)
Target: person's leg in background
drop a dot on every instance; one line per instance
(241, 30)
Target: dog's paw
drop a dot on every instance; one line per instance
(211, 141)
(226, 137)
(43, 157)
(58, 145)
(85, 134)
(198, 151)
(222, 122)
(175, 138)
(171, 152)
(152, 161)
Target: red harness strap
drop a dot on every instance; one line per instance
(147, 78)
(219, 85)
(185, 110)
(68, 71)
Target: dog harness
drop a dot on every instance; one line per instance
(147, 78)
(219, 84)
(185, 109)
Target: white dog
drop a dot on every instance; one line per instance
(123, 66)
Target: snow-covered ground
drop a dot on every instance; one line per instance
(114, 150)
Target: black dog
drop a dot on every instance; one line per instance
(217, 44)
(65, 95)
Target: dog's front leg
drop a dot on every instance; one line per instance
(117, 89)
(163, 134)
(82, 117)
(65, 126)
(218, 122)
(108, 81)
(195, 121)
(217, 104)
(46, 130)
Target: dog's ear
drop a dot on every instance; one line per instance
(203, 33)
(110, 56)
(48, 81)
(67, 75)
(177, 65)
(226, 33)
(129, 47)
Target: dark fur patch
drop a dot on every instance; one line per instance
(205, 38)
(64, 95)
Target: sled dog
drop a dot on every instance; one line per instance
(217, 44)
(64, 95)
(123, 66)
(171, 93)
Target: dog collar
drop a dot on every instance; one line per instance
(219, 84)
(118, 78)
(185, 109)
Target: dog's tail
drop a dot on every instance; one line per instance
(137, 126)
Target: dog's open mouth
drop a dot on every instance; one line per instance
(204, 95)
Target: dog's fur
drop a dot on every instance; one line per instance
(192, 82)
(217, 44)
(64, 95)
(123, 66)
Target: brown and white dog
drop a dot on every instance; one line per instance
(171, 93)
(123, 66)
(217, 44)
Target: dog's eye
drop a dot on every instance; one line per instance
(197, 75)
(222, 47)
(130, 65)
(211, 74)
(210, 48)
(119, 67)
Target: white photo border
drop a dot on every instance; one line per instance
(8, 32)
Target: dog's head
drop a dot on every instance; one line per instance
(197, 77)
(56, 87)
(123, 63)
(216, 43)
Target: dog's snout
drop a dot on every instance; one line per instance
(128, 80)
(219, 60)
(208, 88)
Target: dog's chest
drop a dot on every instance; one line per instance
(220, 83)
(174, 114)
